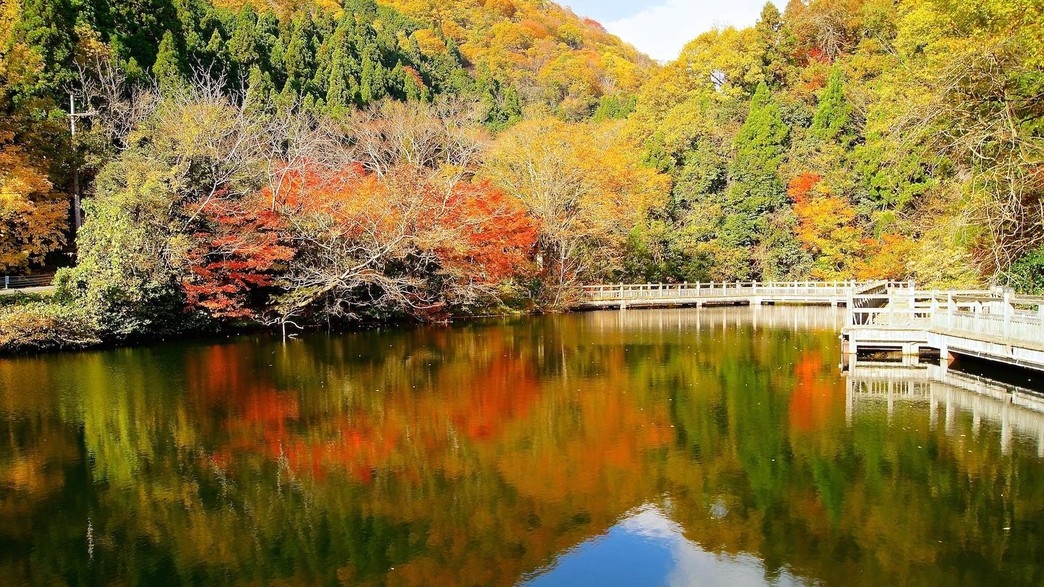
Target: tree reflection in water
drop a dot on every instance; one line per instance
(687, 443)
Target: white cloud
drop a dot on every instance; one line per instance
(662, 30)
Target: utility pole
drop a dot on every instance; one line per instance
(73, 115)
(77, 219)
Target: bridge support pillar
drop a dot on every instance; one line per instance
(757, 301)
(945, 358)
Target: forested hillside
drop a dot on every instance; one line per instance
(293, 163)
(855, 138)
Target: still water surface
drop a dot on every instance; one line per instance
(683, 447)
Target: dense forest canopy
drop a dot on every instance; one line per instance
(310, 161)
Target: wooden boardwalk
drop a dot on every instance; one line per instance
(988, 324)
(752, 293)
(883, 316)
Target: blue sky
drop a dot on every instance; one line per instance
(660, 28)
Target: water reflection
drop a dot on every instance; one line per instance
(960, 396)
(648, 548)
(695, 445)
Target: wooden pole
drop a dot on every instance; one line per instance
(77, 219)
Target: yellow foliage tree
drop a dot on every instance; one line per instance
(32, 215)
(586, 186)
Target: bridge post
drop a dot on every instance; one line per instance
(949, 310)
(1007, 313)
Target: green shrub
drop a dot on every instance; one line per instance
(1027, 275)
(18, 298)
(40, 326)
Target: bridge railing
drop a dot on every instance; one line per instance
(24, 281)
(904, 307)
(1010, 323)
(980, 313)
(738, 289)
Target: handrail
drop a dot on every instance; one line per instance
(995, 314)
(624, 292)
(25, 281)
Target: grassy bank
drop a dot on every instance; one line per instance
(40, 322)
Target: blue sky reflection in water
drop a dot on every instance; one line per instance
(648, 548)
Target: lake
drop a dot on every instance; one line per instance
(653, 447)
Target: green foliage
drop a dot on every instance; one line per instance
(46, 27)
(125, 274)
(46, 325)
(1027, 274)
(169, 68)
(756, 190)
(502, 103)
(615, 107)
(832, 115)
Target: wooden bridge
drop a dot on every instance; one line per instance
(729, 293)
(988, 324)
(883, 316)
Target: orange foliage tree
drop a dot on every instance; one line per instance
(237, 255)
(888, 258)
(826, 227)
(398, 242)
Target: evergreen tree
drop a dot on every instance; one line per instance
(260, 92)
(299, 58)
(339, 92)
(46, 26)
(832, 115)
(760, 146)
(242, 46)
(775, 43)
(756, 191)
(169, 68)
(502, 104)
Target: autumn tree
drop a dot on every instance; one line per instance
(587, 188)
(153, 210)
(826, 227)
(977, 88)
(34, 42)
(403, 230)
(238, 254)
(33, 215)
